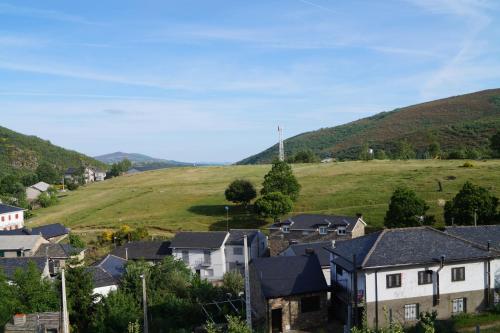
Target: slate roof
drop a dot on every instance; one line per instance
(479, 235)
(9, 209)
(17, 242)
(41, 186)
(108, 271)
(286, 276)
(35, 322)
(57, 250)
(236, 236)
(319, 249)
(313, 221)
(10, 265)
(152, 250)
(199, 240)
(406, 246)
(50, 230)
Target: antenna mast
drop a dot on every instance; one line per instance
(281, 147)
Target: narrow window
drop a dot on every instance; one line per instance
(323, 230)
(341, 231)
(425, 277)
(286, 229)
(310, 304)
(458, 305)
(185, 257)
(458, 274)
(411, 311)
(393, 280)
(17, 216)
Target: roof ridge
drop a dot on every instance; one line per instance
(368, 255)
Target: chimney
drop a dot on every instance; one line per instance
(19, 319)
(126, 253)
(309, 250)
(333, 243)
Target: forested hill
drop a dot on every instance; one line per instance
(456, 123)
(21, 153)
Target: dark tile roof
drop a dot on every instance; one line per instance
(199, 240)
(50, 230)
(479, 235)
(313, 221)
(318, 247)
(153, 250)
(10, 265)
(406, 246)
(108, 271)
(236, 236)
(15, 232)
(57, 250)
(9, 209)
(285, 276)
(101, 278)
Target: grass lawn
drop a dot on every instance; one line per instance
(169, 200)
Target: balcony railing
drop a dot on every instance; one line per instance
(203, 263)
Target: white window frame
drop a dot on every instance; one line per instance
(285, 229)
(341, 231)
(411, 312)
(323, 230)
(458, 305)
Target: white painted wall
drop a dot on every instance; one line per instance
(257, 249)
(11, 221)
(104, 291)
(196, 258)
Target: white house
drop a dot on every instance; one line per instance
(34, 191)
(11, 217)
(99, 175)
(409, 271)
(203, 252)
(257, 247)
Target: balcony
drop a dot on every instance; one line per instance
(203, 263)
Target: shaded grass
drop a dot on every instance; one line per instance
(193, 198)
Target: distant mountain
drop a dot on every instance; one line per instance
(21, 154)
(466, 121)
(140, 160)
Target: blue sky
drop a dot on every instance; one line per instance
(211, 80)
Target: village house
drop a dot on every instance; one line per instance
(10, 265)
(288, 293)
(11, 217)
(60, 256)
(307, 228)
(99, 175)
(34, 191)
(72, 174)
(41, 322)
(257, 247)
(12, 246)
(409, 271)
(149, 251)
(203, 252)
(54, 232)
(106, 274)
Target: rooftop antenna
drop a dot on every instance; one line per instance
(281, 147)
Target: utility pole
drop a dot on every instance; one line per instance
(227, 218)
(248, 304)
(65, 319)
(144, 303)
(281, 147)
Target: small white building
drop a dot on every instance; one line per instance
(34, 191)
(203, 252)
(99, 175)
(257, 247)
(11, 217)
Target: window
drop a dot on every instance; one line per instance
(185, 257)
(2, 254)
(19, 253)
(339, 270)
(310, 304)
(10, 217)
(323, 230)
(17, 216)
(411, 311)
(286, 229)
(3, 218)
(206, 257)
(458, 274)
(458, 305)
(425, 277)
(341, 231)
(238, 250)
(393, 280)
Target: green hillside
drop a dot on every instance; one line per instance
(465, 121)
(21, 153)
(191, 198)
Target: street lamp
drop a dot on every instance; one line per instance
(227, 218)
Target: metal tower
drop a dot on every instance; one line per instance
(281, 147)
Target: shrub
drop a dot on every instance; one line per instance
(467, 165)
(72, 186)
(240, 191)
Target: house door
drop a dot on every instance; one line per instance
(277, 320)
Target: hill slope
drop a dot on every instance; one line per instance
(455, 122)
(21, 153)
(190, 198)
(136, 159)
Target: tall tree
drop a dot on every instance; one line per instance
(406, 209)
(240, 191)
(47, 173)
(281, 179)
(8, 302)
(495, 144)
(404, 150)
(470, 200)
(274, 204)
(366, 153)
(79, 288)
(434, 150)
(115, 312)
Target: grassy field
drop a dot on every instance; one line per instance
(169, 200)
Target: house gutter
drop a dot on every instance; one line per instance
(376, 301)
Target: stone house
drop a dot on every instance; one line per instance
(288, 293)
(308, 228)
(42, 322)
(34, 191)
(409, 271)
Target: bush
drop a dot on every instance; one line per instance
(47, 200)
(274, 204)
(240, 191)
(72, 186)
(233, 283)
(467, 165)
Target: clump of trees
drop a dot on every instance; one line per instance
(274, 204)
(49, 198)
(119, 168)
(471, 202)
(406, 209)
(240, 191)
(303, 156)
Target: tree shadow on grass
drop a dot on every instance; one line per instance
(219, 210)
(250, 221)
